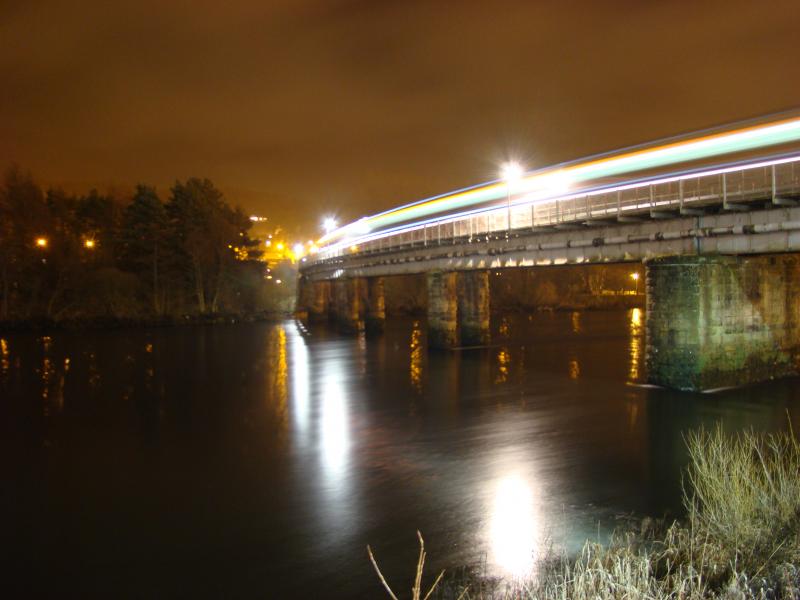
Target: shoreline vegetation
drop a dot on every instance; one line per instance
(130, 258)
(111, 323)
(740, 538)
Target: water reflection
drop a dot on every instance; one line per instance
(279, 371)
(503, 363)
(504, 329)
(334, 430)
(415, 362)
(574, 368)
(490, 474)
(636, 344)
(576, 322)
(514, 527)
(300, 383)
(4, 354)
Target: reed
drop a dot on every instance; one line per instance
(740, 538)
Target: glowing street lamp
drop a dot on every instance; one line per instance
(298, 250)
(329, 224)
(635, 277)
(41, 242)
(511, 172)
(89, 244)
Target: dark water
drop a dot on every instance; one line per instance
(260, 460)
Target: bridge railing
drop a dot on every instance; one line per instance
(776, 182)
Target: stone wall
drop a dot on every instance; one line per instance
(718, 321)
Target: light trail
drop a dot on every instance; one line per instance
(606, 189)
(553, 182)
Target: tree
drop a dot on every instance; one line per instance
(24, 218)
(211, 234)
(145, 248)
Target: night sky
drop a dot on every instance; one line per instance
(298, 108)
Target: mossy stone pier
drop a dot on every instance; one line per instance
(720, 321)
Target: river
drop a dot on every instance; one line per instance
(259, 460)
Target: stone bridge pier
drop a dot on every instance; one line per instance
(720, 321)
(458, 308)
(712, 320)
(313, 299)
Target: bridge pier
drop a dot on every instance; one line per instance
(320, 300)
(719, 321)
(348, 294)
(473, 307)
(376, 305)
(442, 310)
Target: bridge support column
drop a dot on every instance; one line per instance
(718, 321)
(305, 292)
(348, 294)
(473, 307)
(320, 299)
(442, 310)
(376, 305)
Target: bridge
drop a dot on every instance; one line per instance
(714, 217)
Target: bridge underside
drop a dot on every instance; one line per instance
(722, 290)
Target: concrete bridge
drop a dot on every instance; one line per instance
(718, 244)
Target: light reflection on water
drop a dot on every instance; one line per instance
(514, 529)
(278, 453)
(636, 343)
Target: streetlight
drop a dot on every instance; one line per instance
(88, 244)
(635, 277)
(298, 250)
(41, 242)
(329, 224)
(511, 172)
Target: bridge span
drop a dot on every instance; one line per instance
(718, 242)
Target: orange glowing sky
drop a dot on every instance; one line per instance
(298, 108)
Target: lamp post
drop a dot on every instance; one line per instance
(635, 277)
(329, 224)
(511, 172)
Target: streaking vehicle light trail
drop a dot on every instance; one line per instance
(553, 181)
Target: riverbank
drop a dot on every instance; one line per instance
(94, 323)
(740, 539)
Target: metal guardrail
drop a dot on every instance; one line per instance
(776, 182)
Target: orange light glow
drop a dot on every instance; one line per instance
(41, 242)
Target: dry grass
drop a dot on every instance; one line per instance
(741, 538)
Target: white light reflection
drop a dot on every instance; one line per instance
(514, 527)
(298, 353)
(334, 429)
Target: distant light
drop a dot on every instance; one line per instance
(269, 276)
(314, 249)
(511, 172)
(41, 242)
(329, 224)
(269, 243)
(280, 246)
(354, 248)
(634, 276)
(298, 249)
(278, 281)
(257, 219)
(88, 244)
